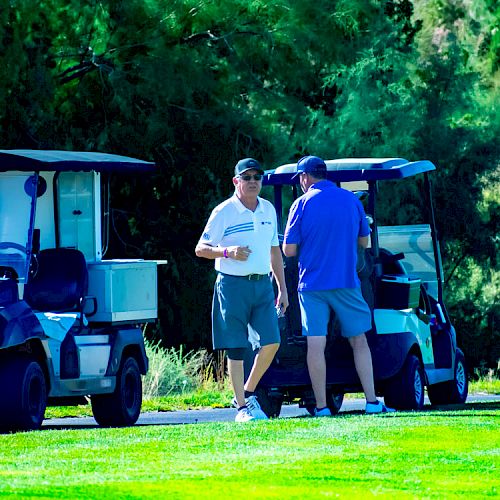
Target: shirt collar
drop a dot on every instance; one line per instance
(322, 184)
(241, 208)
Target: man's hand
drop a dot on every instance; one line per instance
(282, 300)
(239, 253)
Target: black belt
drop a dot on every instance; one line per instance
(249, 277)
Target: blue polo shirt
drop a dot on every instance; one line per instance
(325, 223)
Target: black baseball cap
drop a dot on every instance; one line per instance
(247, 164)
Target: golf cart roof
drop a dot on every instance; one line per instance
(29, 160)
(355, 169)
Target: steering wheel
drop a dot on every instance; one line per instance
(7, 272)
(4, 245)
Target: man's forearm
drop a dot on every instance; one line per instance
(209, 252)
(363, 241)
(278, 268)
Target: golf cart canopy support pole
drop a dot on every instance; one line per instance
(435, 241)
(278, 205)
(29, 246)
(372, 209)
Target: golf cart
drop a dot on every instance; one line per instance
(70, 322)
(412, 340)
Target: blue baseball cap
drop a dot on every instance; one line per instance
(310, 165)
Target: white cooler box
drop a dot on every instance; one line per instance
(126, 290)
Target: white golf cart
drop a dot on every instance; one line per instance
(70, 322)
(412, 340)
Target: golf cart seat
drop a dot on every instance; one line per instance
(8, 291)
(60, 282)
(391, 262)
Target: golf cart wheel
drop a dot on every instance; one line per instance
(455, 391)
(24, 395)
(122, 407)
(270, 402)
(334, 402)
(405, 391)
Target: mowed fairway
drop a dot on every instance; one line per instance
(435, 454)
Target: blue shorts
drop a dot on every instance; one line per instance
(350, 308)
(240, 306)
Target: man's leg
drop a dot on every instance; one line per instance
(263, 330)
(235, 369)
(315, 313)
(363, 364)
(316, 365)
(261, 363)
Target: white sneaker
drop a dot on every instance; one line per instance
(254, 408)
(378, 407)
(243, 415)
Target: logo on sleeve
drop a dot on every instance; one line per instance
(206, 236)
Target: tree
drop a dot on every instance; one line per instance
(196, 87)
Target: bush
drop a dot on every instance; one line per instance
(171, 371)
(472, 299)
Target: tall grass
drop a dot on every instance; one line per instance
(486, 380)
(170, 371)
(175, 372)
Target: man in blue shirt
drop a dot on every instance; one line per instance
(324, 228)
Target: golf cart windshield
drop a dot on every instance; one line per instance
(415, 241)
(16, 190)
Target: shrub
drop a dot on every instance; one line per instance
(171, 371)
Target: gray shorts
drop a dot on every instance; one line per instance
(238, 304)
(351, 310)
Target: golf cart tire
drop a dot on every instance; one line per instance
(122, 407)
(269, 402)
(454, 391)
(23, 395)
(334, 402)
(405, 391)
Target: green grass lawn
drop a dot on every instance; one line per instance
(432, 454)
(196, 400)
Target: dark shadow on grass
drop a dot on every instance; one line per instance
(68, 427)
(444, 410)
(475, 405)
(441, 410)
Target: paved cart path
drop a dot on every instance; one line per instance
(225, 414)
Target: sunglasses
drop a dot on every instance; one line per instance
(255, 177)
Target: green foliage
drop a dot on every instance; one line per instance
(474, 304)
(175, 373)
(201, 398)
(171, 371)
(196, 86)
(486, 381)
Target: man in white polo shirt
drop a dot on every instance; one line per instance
(242, 236)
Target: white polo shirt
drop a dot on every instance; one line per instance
(231, 223)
